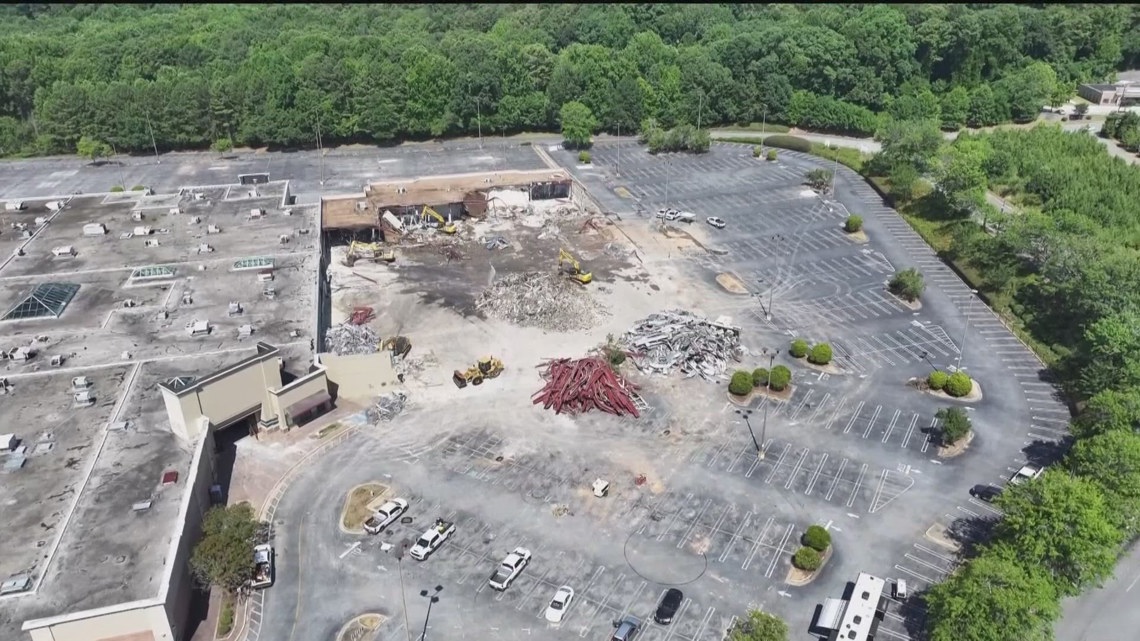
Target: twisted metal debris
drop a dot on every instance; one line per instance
(681, 339)
(347, 339)
(387, 406)
(540, 299)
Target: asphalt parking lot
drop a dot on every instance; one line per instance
(851, 449)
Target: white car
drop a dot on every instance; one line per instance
(385, 515)
(432, 539)
(715, 222)
(559, 604)
(510, 568)
(1026, 473)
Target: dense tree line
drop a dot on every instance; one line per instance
(185, 76)
(1065, 264)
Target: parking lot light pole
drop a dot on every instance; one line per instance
(925, 356)
(746, 414)
(432, 597)
(966, 329)
(768, 389)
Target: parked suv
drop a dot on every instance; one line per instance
(627, 629)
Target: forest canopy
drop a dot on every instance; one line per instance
(192, 76)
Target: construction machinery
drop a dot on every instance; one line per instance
(486, 367)
(570, 266)
(367, 251)
(398, 345)
(444, 226)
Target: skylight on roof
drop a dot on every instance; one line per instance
(47, 300)
(254, 262)
(152, 272)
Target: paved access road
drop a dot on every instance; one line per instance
(1108, 612)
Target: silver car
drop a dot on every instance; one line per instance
(716, 222)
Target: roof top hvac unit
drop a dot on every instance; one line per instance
(256, 213)
(15, 205)
(63, 251)
(198, 328)
(94, 229)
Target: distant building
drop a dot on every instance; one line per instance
(1117, 95)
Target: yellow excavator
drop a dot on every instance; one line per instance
(367, 251)
(486, 367)
(570, 266)
(444, 226)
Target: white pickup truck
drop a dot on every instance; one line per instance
(262, 566)
(385, 515)
(432, 539)
(1026, 473)
(510, 568)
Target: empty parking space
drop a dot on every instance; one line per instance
(915, 343)
(841, 310)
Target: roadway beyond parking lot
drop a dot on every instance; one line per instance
(851, 449)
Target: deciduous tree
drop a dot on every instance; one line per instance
(578, 124)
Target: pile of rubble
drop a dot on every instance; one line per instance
(677, 338)
(540, 299)
(387, 407)
(348, 339)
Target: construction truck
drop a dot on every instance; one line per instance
(487, 367)
(444, 226)
(570, 266)
(367, 251)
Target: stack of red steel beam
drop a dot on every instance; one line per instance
(362, 315)
(582, 385)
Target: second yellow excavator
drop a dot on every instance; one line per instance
(570, 266)
(444, 226)
(367, 251)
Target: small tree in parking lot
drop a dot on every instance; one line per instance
(907, 284)
(937, 380)
(757, 151)
(741, 383)
(799, 348)
(853, 224)
(818, 179)
(758, 626)
(820, 354)
(955, 424)
(817, 538)
(807, 559)
(771, 155)
(959, 384)
(759, 377)
(779, 378)
(223, 557)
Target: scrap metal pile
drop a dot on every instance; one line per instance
(540, 299)
(677, 338)
(577, 386)
(346, 339)
(387, 407)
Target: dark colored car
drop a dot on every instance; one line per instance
(667, 609)
(985, 492)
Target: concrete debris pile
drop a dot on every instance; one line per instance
(680, 339)
(495, 242)
(348, 339)
(577, 386)
(387, 407)
(540, 299)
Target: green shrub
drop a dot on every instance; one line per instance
(741, 383)
(788, 142)
(757, 150)
(817, 538)
(779, 378)
(615, 356)
(807, 559)
(138, 188)
(799, 348)
(955, 424)
(226, 616)
(584, 157)
(772, 155)
(937, 380)
(818, 179)
(117, 188)
(820, 354)
(959, 385)
(759, 377)
(907, 284)
(853, 224)
(222, 145)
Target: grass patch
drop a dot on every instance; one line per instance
(852, 158)
(226, 615)
(769, 128)
(356, 510)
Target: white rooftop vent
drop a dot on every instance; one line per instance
(8, 442)
(126, 235)
(136, 216)
(84, 398)
(142, 230)
(256, 213)
(152, 242)
(194, 220)
(21, 354)
(141, 506)
(94, 229)
(198, 328)
(245, 331)
(57, 360)
(15, 205)
(54, 205)
(283, 239)
(199, 195)
(41, 220)
(80, 383)
(174, 211)
(17, 583)
(205, 248)
(235, 309)
(64, 251)
(213, 229)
